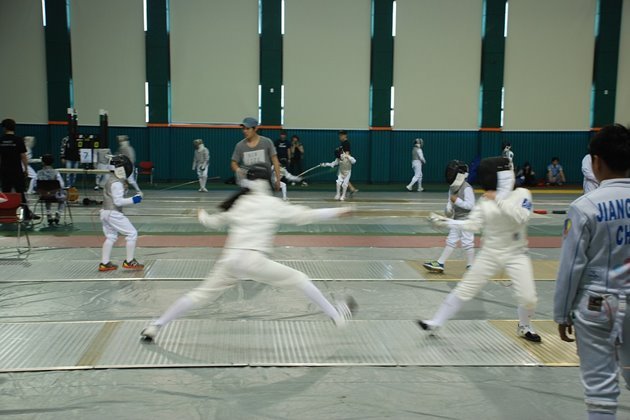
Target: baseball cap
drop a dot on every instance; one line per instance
(250, 122)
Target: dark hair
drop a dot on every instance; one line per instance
(283, 132)
(612, 145)
(295, 136)
(8, 124)
(342, 132)
(555, 158)
(48, 159)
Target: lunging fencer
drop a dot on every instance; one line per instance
(345, 161)
(253, 216)
(200, 163)
(286, 176)
(461, 199)
(112, 217)
(417, 160)
(502, 213)
(592, 290)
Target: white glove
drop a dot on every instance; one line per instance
(439, 221)
(202, 168)
(203, 217)
(448, 211)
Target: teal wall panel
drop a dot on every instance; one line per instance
(539, 147)
(157, 57)
(606, 62)
(271, 50)
(382, 156)
(439, 148)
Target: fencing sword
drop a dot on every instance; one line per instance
(309, 170)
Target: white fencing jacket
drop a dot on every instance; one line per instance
(255, 217)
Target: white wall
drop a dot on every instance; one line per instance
(549, 64)
(214, 60)
(437, 64)
(108, 60)
(327, 63)
(23, 90)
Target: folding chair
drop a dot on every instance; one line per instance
(50, 192)
(146, 168)
(11, 212)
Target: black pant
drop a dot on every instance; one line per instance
(14, 181)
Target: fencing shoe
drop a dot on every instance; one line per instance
(431, 329)
(408, 187)
(107, 267)
(346, 308)
(434, 266)
(132, 265)
(528, 333)
(149, 333)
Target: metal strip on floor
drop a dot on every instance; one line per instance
(554, 352)
(544, 270)
(197, 269)
(206, 343)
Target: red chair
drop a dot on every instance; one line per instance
(11, 212)
(146, 168)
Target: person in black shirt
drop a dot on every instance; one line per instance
(297, 155)
(283, 149)
(13, 163)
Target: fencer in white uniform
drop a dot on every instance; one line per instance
(112, 217)
(590, 182)
(200, 163)
(344, 161)
(592, 291)
(102, 162)
(253, 217)
(284, 176)
(502, 213)
(461, 200)
(125, 148)
(417, 160)
(29, 142)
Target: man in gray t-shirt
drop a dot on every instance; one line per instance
(254, 149)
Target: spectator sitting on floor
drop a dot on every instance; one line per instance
(555, 174)
(526, 177)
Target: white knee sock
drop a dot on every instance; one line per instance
(451, 305)
(283, 187)
(343, 191)
(131, 249)
(106, 253)
(470, 256)
(177, 309)
(315, 295)
(338, 190)
(203, 181)
(448, 250)
(31, 185)
(524, 315)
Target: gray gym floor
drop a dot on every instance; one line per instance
(70, 345)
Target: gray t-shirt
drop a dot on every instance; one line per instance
(248, 156)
